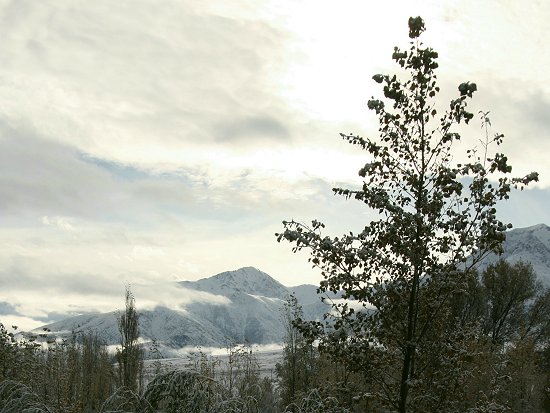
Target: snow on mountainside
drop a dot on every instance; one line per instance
(531, 244)
(253, 309)
(246, 280)
(103, 324)
(308, 298)
(172, 328)
(305, 294)
(253, 314)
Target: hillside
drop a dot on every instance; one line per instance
(255, 300)
(531, 244)
(252, 315)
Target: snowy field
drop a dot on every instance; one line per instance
(267, 356)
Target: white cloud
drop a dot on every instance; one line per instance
(63, 223)
(21, 322)
(172, 296)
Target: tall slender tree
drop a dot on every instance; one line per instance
(403, 268)
(296, 372)
(130, 355)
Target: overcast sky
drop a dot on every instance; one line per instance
(148, 141)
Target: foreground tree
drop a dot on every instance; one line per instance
(404, 268)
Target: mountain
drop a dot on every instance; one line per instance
(247, 280)
(531, 244)
(255, 300)
(252, 314)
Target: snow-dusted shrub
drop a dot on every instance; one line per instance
(18, 398)
(313, 402)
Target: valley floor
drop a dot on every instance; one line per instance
(266, 358)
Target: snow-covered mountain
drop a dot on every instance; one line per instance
(253, 311)
(252, 314)
(247, 280)
(531, 244)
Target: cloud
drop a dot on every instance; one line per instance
(519, 113)
(44, 176)
(7, 308)
(40, 177)
(172, 296)
(259, 128)
(146, 113)
(35, 296)
(59, 222)
(152, 74)
(21, 322)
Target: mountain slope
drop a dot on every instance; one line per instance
(252, 315)
(253, 311)
(174, 329)
(531, 244)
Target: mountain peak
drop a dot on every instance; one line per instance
(248, 280)
(536, 234)
(243, 273)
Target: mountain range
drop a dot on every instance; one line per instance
(255, 300)
(252, 314)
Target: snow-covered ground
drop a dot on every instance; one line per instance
(267, 356)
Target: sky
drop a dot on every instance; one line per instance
(147, 142)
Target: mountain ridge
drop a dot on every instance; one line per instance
(529, 244)
(252, 315)
(255, 300)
